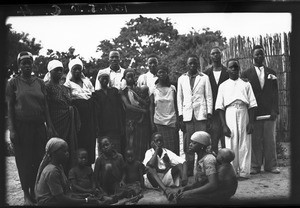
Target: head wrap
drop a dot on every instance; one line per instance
(201, 137)
(52, 65)
(102, 73)
(71, 64)
(24, 55)
(74, 62)
(52, 145)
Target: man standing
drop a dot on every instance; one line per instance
(236, 105)
(194, 100)
(217, 74)
(115, 72)
(150, 77)
(265, 88)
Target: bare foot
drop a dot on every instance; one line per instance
(28, 201)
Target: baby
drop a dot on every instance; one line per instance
(145, 101)
(226, 174)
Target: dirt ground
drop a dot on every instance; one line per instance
(263, 186)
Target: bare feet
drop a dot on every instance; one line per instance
(169, 194)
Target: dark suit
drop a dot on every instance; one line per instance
(216, 130)
(264, 134)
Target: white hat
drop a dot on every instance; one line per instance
(201, 137)
(54, 64)
(74, 62)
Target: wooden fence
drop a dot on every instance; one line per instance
(277, 48)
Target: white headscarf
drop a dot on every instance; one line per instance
(71, 64)
(78, 92)
(52, 65)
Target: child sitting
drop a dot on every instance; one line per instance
(133, 180)
(109, 168)
(82, 180)
(226, 174)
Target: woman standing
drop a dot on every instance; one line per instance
(163, 110)
(64, 116)
(137, 129)
(110, 115)
(81, 92)
(27, 114)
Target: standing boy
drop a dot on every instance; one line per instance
(264, 83)
(236, 104)
(195, 104)
(217, 74)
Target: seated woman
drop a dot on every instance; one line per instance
(51, 186)
(213, 184)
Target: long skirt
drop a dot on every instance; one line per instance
(170, 136)
(29, 150)
(67, 123)
(240, 142)
(86, 136)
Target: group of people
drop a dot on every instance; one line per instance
(135, 122)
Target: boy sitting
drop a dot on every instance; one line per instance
(134, 170)
(109, 169)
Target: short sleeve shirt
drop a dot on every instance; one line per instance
(165, 113)
(53, 182)
(29, 97)
(232, 90)
(83, 177)
(206, 167)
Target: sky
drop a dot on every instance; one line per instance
(85, 32)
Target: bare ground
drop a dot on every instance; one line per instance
(263, 186)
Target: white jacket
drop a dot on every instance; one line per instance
(198, 100)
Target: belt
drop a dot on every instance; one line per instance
(238, 104)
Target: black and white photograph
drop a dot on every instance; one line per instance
(153, 103)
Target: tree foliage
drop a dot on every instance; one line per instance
(139, 38)
(195, 43)
(17, 42)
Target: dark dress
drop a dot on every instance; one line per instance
(137, 132)
(29, 112)
(64, 117)
(86, 137)
(110, 116)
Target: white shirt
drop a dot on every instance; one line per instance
(115, 78)
(232, 90)
(261, 75)
(78, 92)
(147, 79)
(217, 76)
(165, 113)
(174, 159)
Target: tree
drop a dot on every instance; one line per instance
(18, 42)
(195, 43)
(141, 37)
